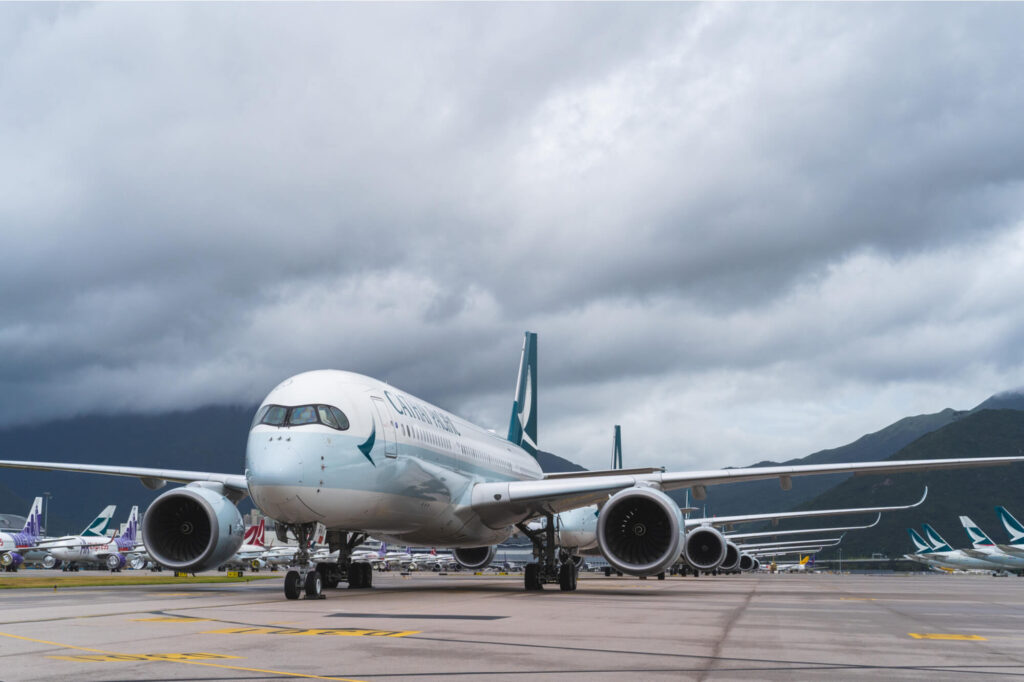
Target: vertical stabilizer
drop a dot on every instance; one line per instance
(34, 522)
(131, 532)
(977, 535)
(617, 449)
(1012, 526)
(920, 546)
(522, 428)
(936, 541)
(97, 528)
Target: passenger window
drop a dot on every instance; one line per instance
(274, 415)
(302, 415)
(326, 417)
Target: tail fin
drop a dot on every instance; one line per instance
(256, 534)
(920, 545)
(97, 528)
(805, 559)
(34, 522)
(382, 551)
(937, 543)
(617, 450)
(131, 532)
(1012, 526)
(522, 428)
(977, 535)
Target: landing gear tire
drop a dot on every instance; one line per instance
(360, 576)
(531, 577)
(567, 577)
(291, 585)
(661, 576)
(607, 572)
(314, 585)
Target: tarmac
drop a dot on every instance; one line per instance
(467, 627)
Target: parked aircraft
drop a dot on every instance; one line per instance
(935, 551)
(985, 549)
(110, 552)
(1016, 531)
(362, 457)
(250, 554)
(15, 548)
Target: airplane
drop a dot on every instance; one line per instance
(1016, 531)
(15, 548)
(985, 549)
(359, 456)
(110, 552)
(944, 556)
(250, 554)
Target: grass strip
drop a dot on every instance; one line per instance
(56, 582)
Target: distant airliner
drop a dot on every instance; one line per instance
(360, 457)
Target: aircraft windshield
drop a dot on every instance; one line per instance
(300, 415)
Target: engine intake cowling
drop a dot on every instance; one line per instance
(732, 557)
(704, 548)
(746, 562)
(640, 531)
(475, 557)
(192, 529)
(14, 559)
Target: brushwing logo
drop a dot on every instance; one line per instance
(367, 446)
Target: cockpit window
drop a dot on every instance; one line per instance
(275, 415)
(279, 415)
(302, 415)
(340, 416)
(326, 417)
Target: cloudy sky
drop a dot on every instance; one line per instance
(741, 231)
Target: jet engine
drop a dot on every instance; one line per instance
(704, 549)
(8, 559)
(732, 558)
(757, 565)
(116, 562)
(746, 562)
(194, 528)
(475, 557)
(50, 561)
(640, 531)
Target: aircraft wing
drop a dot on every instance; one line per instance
(502, 503)
(801, 531)
(151, 478)
(723, 521)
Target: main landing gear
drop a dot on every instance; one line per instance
(552, 565)
(306, 579)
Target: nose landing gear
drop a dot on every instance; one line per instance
(306, 579)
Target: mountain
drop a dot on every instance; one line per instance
(758, 496)
(210, 438)
(970, 492)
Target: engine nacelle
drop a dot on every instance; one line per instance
(192, 529)
(757, 565)
(475, 557)
(50, 561)
(746, 563)
(640, 531)
(8, 559)
(704, 549)
(116, 562)
(732, 557)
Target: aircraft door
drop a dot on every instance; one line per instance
(388, 428)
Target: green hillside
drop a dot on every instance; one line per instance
(970, 492)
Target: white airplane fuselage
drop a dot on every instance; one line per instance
(402, 471)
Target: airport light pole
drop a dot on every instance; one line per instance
(46, 512)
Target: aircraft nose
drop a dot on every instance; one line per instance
(273, 468)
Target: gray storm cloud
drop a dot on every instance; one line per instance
(741, 231)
